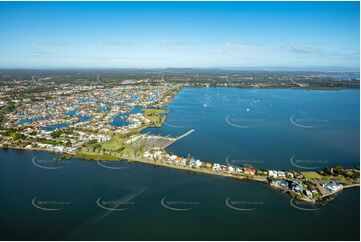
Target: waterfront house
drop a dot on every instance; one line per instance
(198, 164)
(283, 184)
(289, 174)
(249, 171)
(158, 154)
(224, 168)
(308, 193)
(279, 183)
(231, 169)
(239, 170)
(272, 173)
(216, 167)
(313, 188)
(183, 162)
(208, 165)
(298, 175)
(173, 157)
(297, 188)
(177, 160)
(147, 154)
(274, 183)
(333, 186)
(281, 174)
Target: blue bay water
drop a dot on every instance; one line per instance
(267, 127)
(77, 186)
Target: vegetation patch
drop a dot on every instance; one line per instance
(91, 156)
(156, 116)
(311, 175)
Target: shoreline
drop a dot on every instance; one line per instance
(253, 178)
(276, 87)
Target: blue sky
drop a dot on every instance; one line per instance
(179, 34)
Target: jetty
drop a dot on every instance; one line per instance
(173, 140)
(184, 135)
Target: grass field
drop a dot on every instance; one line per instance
(92, 156)
(114, 144)
(311, 175)
(156, 116)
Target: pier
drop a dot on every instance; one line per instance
(186, 134)
(173, 140)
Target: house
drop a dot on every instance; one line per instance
(249, 171)
(57, 148)
(70, 150)
(239, 170)
(183, 162)
(281, 174)
(157, 154)
(313, 189)
(279, 183)
(198, 164)
(207, 165)
(216, 167)
(289, 174)
(333, 186)
(192, 162)
(224, 168)
(297, 188)
(298, 175)
(231, 169)
(308, 193)
(177, 160)
(147, 154)
(173, 157)
(272, 173)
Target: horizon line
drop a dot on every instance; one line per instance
(258, 68)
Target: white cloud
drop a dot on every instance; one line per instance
(48, 48)
(238, 47)
(301, 49)
(178, 46)
(115, 46)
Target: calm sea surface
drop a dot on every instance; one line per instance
(296, 129)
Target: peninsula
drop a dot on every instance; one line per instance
(104, 120)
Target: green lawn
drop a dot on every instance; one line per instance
(92, 156)
(311, 175)
(153, 111)
(114, 144)
(155, 115)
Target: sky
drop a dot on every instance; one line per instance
(179, 34)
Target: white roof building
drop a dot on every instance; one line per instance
(272, 173)
(281, 174)
(231, 169)
(216, 167)
(173, 157)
